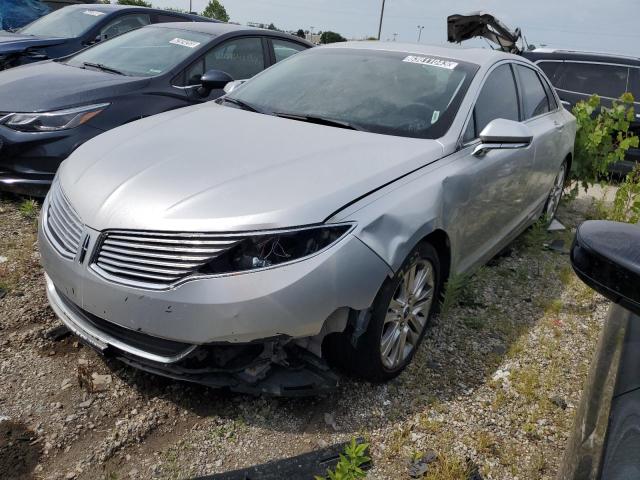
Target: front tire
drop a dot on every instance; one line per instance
(400, 314)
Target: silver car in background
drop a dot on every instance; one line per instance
(310, 217)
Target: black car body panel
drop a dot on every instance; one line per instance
(20, 49)
(606, 436)
(29, 160)
(578, 75)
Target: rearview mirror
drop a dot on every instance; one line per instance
(503, 134)
(214, 80)
(606, 256)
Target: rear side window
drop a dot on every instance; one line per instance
(284, 49)
(551, 70)
(589, 78)
(164, 18)
(498, 99)
(534, 98)
(634, 84)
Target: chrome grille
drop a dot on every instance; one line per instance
(156, 258)
(62, 224)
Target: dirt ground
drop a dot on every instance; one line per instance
(495, 385)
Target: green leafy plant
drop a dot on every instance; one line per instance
(602, 137)
(349, 466)
(29, 209)
(626, 204)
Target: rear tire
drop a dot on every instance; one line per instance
(553, 200)
(399, 318)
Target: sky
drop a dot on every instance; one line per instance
(596, 25)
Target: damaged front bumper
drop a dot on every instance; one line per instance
(273, 366)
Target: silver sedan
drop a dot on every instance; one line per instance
(314, 212)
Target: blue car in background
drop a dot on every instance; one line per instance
(72, 28)
(18, 14)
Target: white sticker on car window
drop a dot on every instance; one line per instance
(93, 13)
(434, 62)
(184, 43)
(435, 116)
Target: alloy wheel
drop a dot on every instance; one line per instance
(407, 314)
(556, 192)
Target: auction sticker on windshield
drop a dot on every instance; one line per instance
(185, 43)
(435, 62)
(93, 13)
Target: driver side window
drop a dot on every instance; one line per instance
(124, 24)
(242, 58)
(498, 98)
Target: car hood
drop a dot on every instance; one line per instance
(215, 168)
(15, 42)
(52, 85)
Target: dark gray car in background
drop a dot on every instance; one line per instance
(51, 108)
(72, 28)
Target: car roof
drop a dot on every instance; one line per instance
(217, 29)
(559, 54)
(110, 8)
(478, 56)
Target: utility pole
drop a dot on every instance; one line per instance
(381, 15)
(420, 28)
(190, 6)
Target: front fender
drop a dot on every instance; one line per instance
(392, 220)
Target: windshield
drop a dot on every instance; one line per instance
(145, 52)
(393, 93)
(64, 23)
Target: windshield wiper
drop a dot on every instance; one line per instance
(330, 122)
(102, 67)
(241, 104)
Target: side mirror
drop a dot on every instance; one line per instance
(503, 134)
(606, 256)
(98, 39)
(231, 86)
(566, 105)
(214, 80)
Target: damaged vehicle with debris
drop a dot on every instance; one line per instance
(306, 221)
(576, 75)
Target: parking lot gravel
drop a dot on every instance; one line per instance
(493, 389)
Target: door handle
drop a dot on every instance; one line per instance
(558, 125)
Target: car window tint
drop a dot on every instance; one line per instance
(164, 18)
(553, 104)
(534, 98)
(498, 98)
(284, 49)
(470, 131)
(551, 70)
(241, 58)
(634, 84)
(589, 78)
(124, 24)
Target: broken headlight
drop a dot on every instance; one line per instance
(52, 121)
(269, 249)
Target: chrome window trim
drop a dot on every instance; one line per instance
(95, 269)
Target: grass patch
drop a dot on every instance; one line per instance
(448, 467)
(29, 209)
